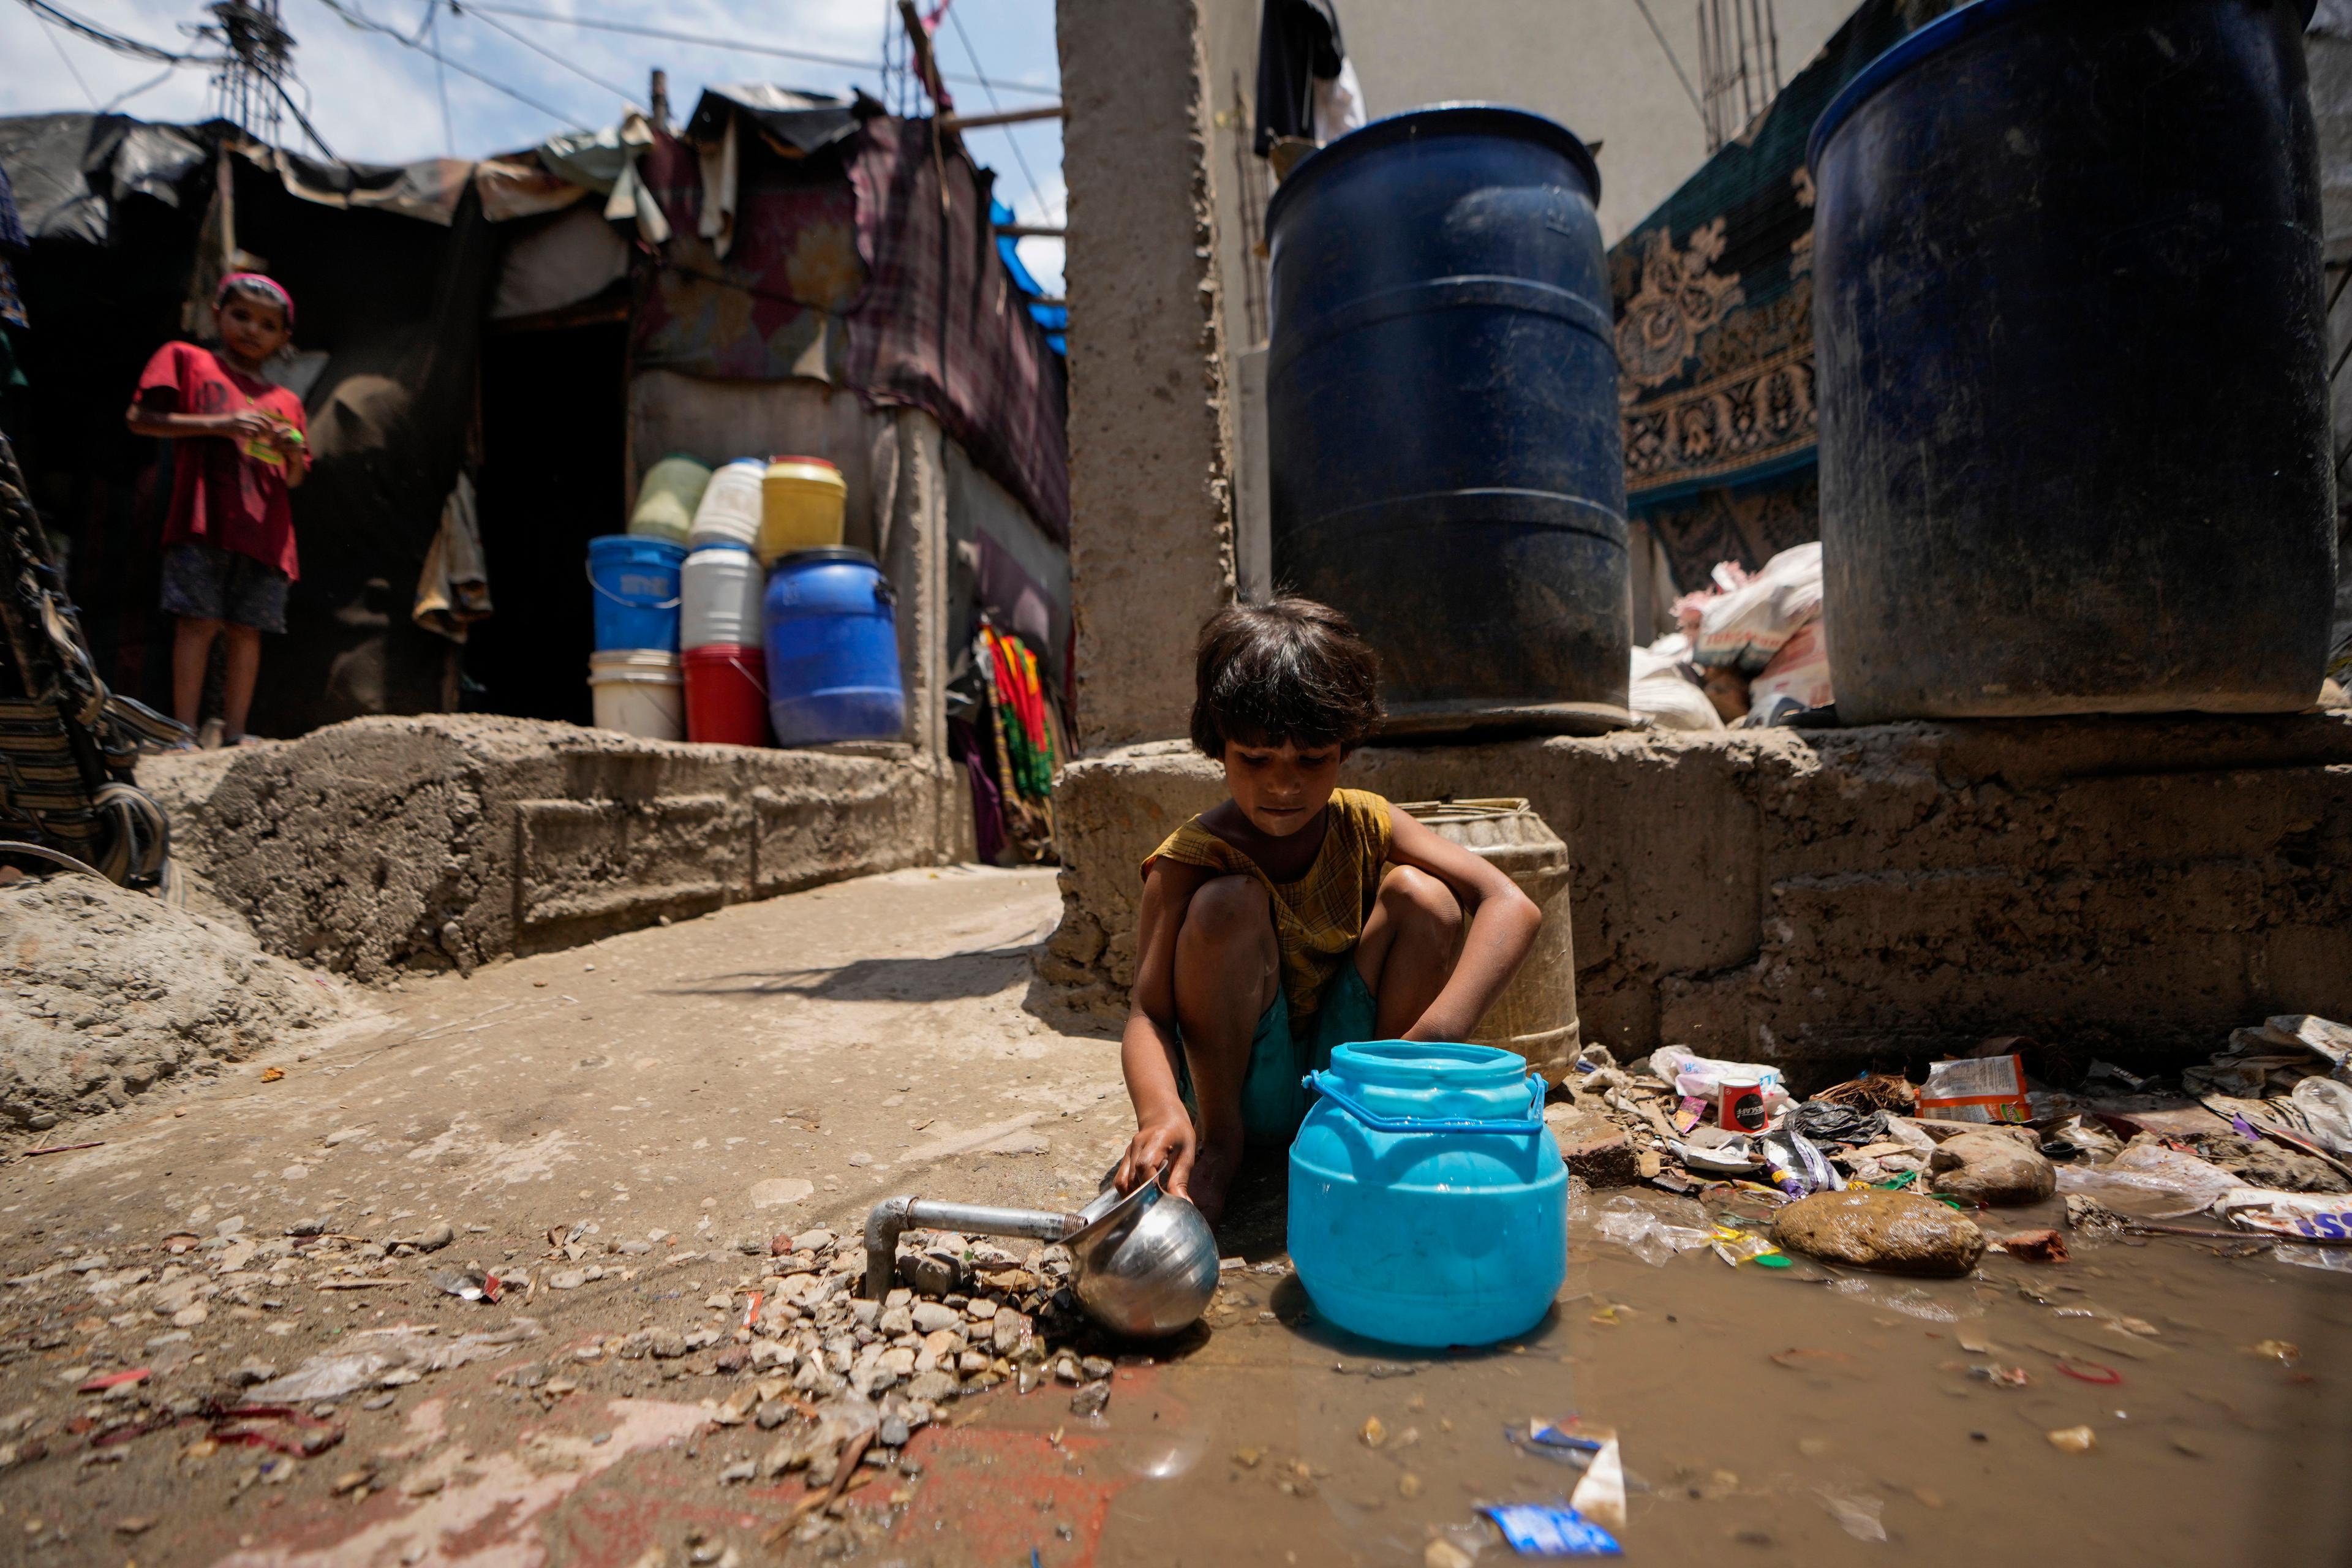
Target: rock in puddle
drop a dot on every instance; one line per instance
(1992, 1169)
(1867, 1228)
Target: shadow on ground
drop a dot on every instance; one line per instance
(982, 971)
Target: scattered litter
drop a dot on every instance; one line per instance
(1601, 1495)
(1652, 1227)
(1538, 1530)
(2074, 1439)
(1859, 1517)
(1979, 1088)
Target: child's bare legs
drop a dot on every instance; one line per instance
(1406, 953)
(191, 650)
(1228, 972)
(240, 668)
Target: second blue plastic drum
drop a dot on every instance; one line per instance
(833, 650)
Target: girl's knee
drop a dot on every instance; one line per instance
(1226, 908)
(1418, 901)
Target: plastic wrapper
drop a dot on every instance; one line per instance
(1978, 1088)
(2300, 1217)
(2149, 1181)
(1654, 1227)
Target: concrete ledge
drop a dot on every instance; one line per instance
(451, 839)
(2126, 887)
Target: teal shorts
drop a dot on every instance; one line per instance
(1273, 1099)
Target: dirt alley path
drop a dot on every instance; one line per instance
(663, 1099)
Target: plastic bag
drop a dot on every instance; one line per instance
(1653, 1228)
(2151, 1182)
(1979, 1088)
(1747, 625)
(1701, 1077)
(1799, 673)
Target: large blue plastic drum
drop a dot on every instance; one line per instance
(1428, 1201)
(833, 650)
(1446, 462)
(2072, 365)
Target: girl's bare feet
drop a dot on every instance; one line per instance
(1212, 1176)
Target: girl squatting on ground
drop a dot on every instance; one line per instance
(1296, 916)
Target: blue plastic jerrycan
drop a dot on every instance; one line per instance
(1428, 1200)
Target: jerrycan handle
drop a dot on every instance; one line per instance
(1321, 1083)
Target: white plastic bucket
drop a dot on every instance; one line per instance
(639, 691)
(731, 506)
(719, 590)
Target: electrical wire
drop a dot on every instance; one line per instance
(440, 76)
(736, 45)
(67, 60)
(368, 25)
(994, 102)
(119, 99)
(474, 13)
(118, 42)
(1688, 90)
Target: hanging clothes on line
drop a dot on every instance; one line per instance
(1019, 732)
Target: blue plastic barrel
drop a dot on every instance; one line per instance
(2071, 364)
(635, 583)
(1446, 459)
(1428, 1201)
(833, 650)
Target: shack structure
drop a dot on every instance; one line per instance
(788, 272)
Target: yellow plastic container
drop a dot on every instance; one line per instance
(801, 504)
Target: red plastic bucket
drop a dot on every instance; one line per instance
(727, 695)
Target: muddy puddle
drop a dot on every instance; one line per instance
(1788, 1417)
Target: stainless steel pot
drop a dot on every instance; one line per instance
(1143, 1264)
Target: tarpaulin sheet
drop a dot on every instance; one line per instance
(69, 169)
(852, 269)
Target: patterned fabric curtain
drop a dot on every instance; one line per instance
(1715, 328)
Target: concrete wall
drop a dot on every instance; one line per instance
(1150, 443)
(448, 840)
(2128, 887)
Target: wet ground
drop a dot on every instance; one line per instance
(780, 1066)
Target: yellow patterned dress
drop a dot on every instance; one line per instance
(1317, 920)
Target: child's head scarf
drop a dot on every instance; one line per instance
(258, 284)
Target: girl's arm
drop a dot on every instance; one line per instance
(1164, 1134)
(245, 422)
(1503, 924)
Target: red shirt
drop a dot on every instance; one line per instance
(228, 494)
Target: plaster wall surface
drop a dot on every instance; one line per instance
(1149, 552)
(2132, 888)
(447, 840)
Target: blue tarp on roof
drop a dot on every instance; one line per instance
(1055, 319)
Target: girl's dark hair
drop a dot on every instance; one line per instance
(1291, 670)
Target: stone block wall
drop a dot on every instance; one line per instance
(2132, 888)
(447, 840)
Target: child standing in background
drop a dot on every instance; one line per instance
(228, 540)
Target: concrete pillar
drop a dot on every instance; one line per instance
(1150, 438)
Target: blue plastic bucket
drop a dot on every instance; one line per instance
(1428, 1201)
(635, 583)
(833, 650)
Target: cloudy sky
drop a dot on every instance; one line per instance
(376, 100)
